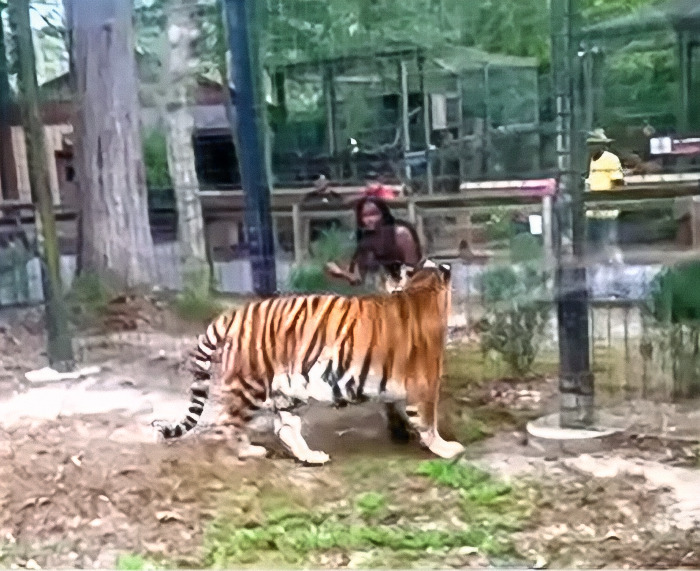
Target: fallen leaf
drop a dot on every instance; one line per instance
(166, 516)
(611, 535)
(31, 502)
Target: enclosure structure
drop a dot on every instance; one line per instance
(387, 111)
(635, 65)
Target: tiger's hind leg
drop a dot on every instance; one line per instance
(239, 400)
(398, 425)
(288, 430)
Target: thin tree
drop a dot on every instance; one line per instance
(60, 351)
(179, 95)
(116, 242)
(8, 169)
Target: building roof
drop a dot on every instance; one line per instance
(679, 14)
(460, 58)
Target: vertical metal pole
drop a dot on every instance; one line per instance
(255, 185)
(547, 230)
(486, 142)
(297, 230)
(575, 377)
(8, 170)
(403, 72)
(684, 63)
(426, 126)
(330, 98)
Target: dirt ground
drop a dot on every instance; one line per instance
(83, 483)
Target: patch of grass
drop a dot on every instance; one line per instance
(394, 521)
(504, 506)
(133, 562)
(293, 538)
(88, 296)
(196, 307)
(468, 412)
(370, 504)
(466, 366)
(452, 475)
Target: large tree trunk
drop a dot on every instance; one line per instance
(116, 239)
(8, 169)
(182, 30)
(60, 350)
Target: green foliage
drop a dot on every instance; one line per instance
(155, 158)
(594, 11)
(453, 475)
(131, 562)
(296, 537)
(481, 494)
(385, 525)
(311, 277)
(516, 322)
(672, 332)
(674, 296)
(88, 297)
(370, 504)
(197, 307)
(502, 26)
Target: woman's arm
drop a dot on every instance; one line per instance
(352, 275)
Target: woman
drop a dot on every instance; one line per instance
(383, 243)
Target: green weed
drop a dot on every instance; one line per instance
(133, 562)
(196, 307)
(370, 504)
(293, 538)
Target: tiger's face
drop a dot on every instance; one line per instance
(405, 276)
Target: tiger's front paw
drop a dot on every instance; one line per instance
(446, 449)
(315, 457)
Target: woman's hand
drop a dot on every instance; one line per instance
(335, 270)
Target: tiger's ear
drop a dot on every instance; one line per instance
(446, 271)
(409, 270)
(428, 264)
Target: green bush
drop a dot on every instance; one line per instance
(672, 326)
(310, 276)
(516, 321)
(155, 158)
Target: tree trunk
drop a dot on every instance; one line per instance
(182, 29)
(8, 168)
(60, 350)
(116, 239)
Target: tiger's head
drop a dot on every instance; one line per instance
(426, 272)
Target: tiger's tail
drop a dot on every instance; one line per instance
(201, 368)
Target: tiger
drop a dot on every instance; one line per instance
(280, 352)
